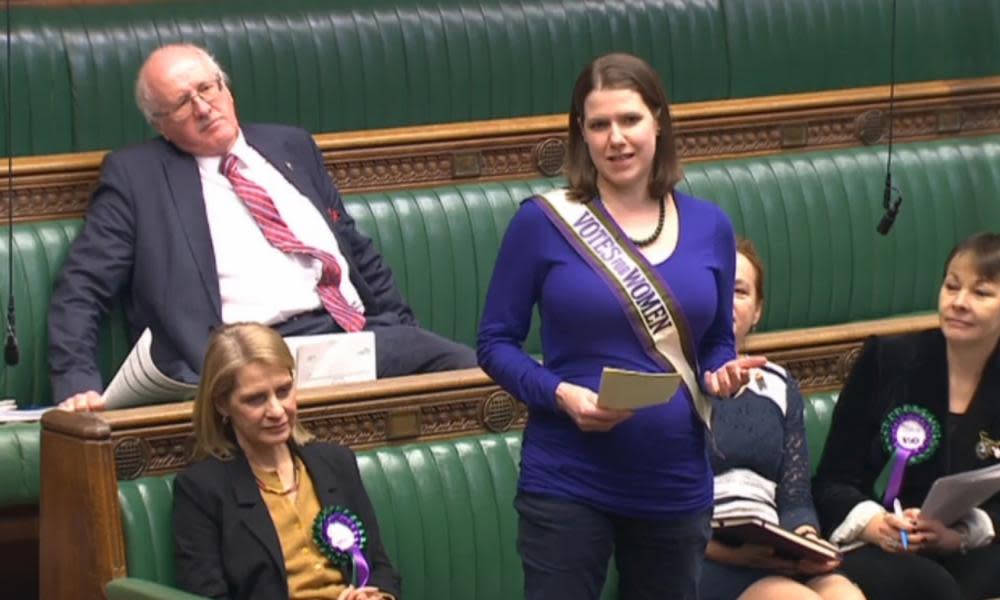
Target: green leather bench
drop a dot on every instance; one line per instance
(812, 216)
(445, 510)
(361, 64)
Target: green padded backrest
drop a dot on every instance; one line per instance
(348, 65)
(19, 464)
(40, 248)
(445, 511)
(776, 46)
(442, 243)
(819, 413)
(359, 64)
(813, 216)
(147, 507)
(446, 514)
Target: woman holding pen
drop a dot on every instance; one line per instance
(917, 407)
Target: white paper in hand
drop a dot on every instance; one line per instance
(333, 358)
(953, 496)
(630, 390)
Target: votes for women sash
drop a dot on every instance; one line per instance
(650, 308)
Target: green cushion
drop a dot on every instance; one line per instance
(19, 464)
(359, 64)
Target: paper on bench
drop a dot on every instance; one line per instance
(333, 358)
(139, 381)
(629, 390)
(953, 496)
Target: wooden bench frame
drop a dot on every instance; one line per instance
(60, 185)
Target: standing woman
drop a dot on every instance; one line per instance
(917, 407)
(625, 272)
(268, 513)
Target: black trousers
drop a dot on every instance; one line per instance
(399, 349)
(885, 576)
(565, 548)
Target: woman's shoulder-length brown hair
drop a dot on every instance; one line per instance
(615, 72)
(230, 348)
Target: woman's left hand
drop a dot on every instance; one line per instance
(730, 377)
(933, 536)
(815, 567)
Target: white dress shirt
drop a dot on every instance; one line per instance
(258, 282)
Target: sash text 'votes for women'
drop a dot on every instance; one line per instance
(633, 279)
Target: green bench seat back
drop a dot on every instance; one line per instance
(361, 64)
(445, 511)
(812, 216)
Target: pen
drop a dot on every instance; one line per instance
(899, 514)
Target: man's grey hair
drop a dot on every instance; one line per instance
(144, 96)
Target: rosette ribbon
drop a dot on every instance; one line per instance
(911, 435)
(341, 537)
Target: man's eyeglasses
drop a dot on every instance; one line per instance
(182, 111)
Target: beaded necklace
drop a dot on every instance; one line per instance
(656, 232)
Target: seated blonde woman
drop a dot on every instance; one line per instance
(762, 463)
(267, 512)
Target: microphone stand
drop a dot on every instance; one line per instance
(889, 203)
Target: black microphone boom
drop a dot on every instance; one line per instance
(11, 351)
(890, 204)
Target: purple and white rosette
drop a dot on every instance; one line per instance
(911, 434)
(341, 537)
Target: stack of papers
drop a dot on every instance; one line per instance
(9, 413)
(953, 496)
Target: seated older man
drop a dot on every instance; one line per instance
(217, 222)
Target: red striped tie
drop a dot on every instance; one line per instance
(278, 234)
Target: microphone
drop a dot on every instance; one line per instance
(11, 350)
(891, 206)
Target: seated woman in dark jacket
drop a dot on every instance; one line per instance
(762, 468)
(268, 513)
(917, 407)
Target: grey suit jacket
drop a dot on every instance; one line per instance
(146, 243)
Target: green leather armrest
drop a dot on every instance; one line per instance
(127, 588)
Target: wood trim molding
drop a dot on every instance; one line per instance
(60, 185)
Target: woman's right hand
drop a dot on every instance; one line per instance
(883, 531)
(580, 404)
(361, 593)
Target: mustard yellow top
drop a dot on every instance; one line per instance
(310, 574)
